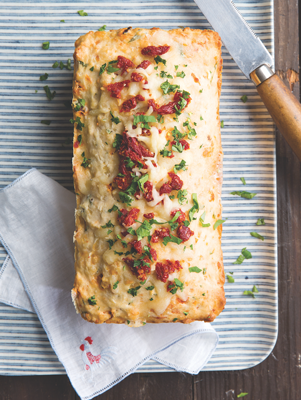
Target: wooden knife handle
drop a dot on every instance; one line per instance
(284, 109)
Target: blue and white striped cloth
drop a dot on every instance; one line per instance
(247, 327)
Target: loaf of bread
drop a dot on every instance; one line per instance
(147, 174)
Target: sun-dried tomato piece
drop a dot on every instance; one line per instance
(141, 270)
(128, 217)
(176, 183)
(184, 233)
(139, 97)
(179, 95)
(146, 132)
(124, 233)
(160, 234)
(155, 51)
(148, 191)
(149, 215)
(76, 144)
(153, 253)
(116, 88)
(181, 218)
(130, 147)
(123, 182)
(167, 108)
(137, 246)
(135, 77)
(183, 142)
(165, 188)
(128, 105)
(144, 64)
(162, 271)
(152, 103)
(124, 63)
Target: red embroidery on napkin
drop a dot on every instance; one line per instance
(93, 361)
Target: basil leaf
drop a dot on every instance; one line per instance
(131, 231)
(246, 253)
(144, 118)
(249, 293)
(102, 69)
(181, 74)
(182, 165)
(158, 60)
(243, 181)
(260, 221)
(245, 195)
(195, 208)
(143, 230)
(114, 208)
(240, 259)
(111, 69)
(256, 235)
(230, 279)
(142, 181)
(254, 289)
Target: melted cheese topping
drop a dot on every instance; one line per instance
(105, 288)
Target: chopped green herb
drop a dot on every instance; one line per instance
(125, 198)
(49, 95)
(114, 208)
(201, 91)
(80, 103)
(144, 119)
(62, 20)
(131, 231)
(177, 284)
(243, 394)
(78, 122)
(184, 312)
(103, 28)
(151, 299)
(204, 271)
(195, 208)
(102, 69)
(36, 91)
(243, 181)
(195, 269)
(164, 74)
(116, 120)
(115, 285)
(172, 239)
(180, 166)
(81, 63)
(45, 45)
(156, 67)
(62, 64)
(244, 98)
(160, 119)
(182, 196)
(109, 231)
(256, 235)
(175, 319)
(260, 221)
(111, 69)
(245, 195)
(168, 88)
(134, 291)
(86, 161)
(165, 152)
(108, 225)
(171, 197)
(143, 230)
(82, 13)
(222, 124)
(150, 288)
(142, 181)
(44, 77)
(191, 246)
(249, 293)
(128, 322)
(91, 69)
(135, 37)
(230, 279)
(92, 301)
(202, 220)
(176, 67)
(45, 122)
(117, 141)
(158, 60)
(181, 74)
(218, 223)
(68, 66)
(246, 253)
(203, 294)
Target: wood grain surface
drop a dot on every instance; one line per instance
(279, 376)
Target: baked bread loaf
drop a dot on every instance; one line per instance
(147, 174)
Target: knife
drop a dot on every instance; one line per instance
(255, 62)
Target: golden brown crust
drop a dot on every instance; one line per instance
(95, 165)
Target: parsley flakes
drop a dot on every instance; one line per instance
(103, 28)
(256, 235)
(44, 77)
(245, 195)
(116, 120)
(245, 254)
(134, 291)
(159, 59)
(92, 301)
(49, 95)
(260, 221)
(195, 269)
(115, 285)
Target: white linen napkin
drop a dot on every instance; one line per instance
(36, 229)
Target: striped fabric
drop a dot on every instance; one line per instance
(248, 326)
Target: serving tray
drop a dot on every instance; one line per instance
(248, 326)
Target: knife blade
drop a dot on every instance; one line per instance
(255, 62)
(239, 39)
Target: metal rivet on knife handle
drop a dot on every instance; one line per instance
(261, 74)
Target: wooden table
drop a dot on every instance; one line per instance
(279, 376)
